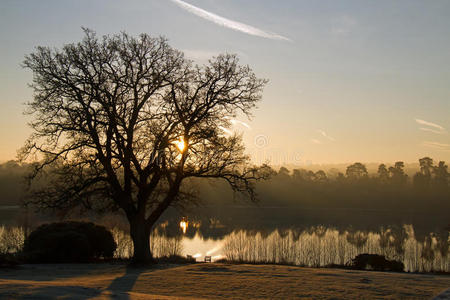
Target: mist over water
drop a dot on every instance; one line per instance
(317, 246)
(321, 246)
(302, 218)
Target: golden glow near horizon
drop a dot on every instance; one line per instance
(180, 144)
(343, 98)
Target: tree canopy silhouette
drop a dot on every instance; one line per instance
(356, 171)
(121, 122)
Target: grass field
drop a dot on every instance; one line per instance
(211, 281)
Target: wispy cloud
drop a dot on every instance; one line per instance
(229, 23)
(227, 131)
(234, 122)
(316, 141)
(430, 124)
(326, 135)
(432, 130)
(436, 145)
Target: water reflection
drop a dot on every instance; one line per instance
(218, 222)
(315, 246)
(184, 225)
(319, 246)
(198, 248)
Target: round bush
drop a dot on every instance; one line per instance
(69, 242)
(376, 262)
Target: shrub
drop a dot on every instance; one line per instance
(69, 242)
(9, 260)
(176, 259)
(376, 262)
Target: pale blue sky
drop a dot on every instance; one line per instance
(359, 71)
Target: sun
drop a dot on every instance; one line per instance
(183, 225)
(180, 144)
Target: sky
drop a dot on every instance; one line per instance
(350, 81)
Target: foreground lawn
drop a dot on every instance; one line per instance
(217, 281)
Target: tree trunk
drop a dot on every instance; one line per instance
(140, 234)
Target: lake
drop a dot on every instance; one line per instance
(298, 236)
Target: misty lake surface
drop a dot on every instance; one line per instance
(293, 235)
(321, 246)
(198, 248)
(318, 237)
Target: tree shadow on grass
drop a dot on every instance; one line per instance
(118, 287)
(124, 284)
(51, 272)
(21, 291)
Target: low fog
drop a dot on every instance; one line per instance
(293, 198)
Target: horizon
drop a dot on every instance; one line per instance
(306, 165)
(346, 84)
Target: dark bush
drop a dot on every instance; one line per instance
(9, 260)
(176, 259)
(376, 262)
(69, 242)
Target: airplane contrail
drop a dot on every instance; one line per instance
(326, 135)
(229, 23)
(426, 123)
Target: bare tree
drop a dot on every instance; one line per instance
(121, 122)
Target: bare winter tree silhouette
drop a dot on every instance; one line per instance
(121, 122)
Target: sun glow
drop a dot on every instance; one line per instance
(184, 225)
(180, 144)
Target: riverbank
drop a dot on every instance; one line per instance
(212, 281)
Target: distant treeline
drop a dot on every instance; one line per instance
(389, 188)
(299, 197)
(12, 182)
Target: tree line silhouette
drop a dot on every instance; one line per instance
(298, 198)
(351, 198)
